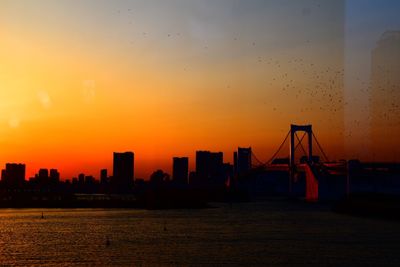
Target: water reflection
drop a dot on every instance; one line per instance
(274, 234)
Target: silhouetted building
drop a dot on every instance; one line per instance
(13, 175)
(81, 178)
(202, 164)
(54, 176)
(89, 180)
(243, 160)
(192, 178)
(46, 178)
(209, 167)
(123, 171)
(103, 176)
(228, 174)
(216, 168)
(43, 175)
(235, 157)
(180, 170)
(159, 178)
(385, 96)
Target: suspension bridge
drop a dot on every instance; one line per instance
(312, 166)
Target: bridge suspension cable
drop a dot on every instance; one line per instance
(261, 163)
(322, 151)
(274, 155)
(301, 145)
(279, 149)
(301, 139)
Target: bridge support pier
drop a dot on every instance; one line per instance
(292, 165)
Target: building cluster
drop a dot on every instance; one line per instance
(210, 169)
(210, 172)
(13, 176)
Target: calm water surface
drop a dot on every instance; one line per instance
(250, 234)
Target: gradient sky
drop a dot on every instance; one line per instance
(81, 79)
(366, 21)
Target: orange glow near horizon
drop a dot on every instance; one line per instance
(74, 90)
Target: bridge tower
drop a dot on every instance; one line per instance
(292, 166)
(300, 128)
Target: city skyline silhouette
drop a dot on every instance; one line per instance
(304, 172)
(199, 133)
(194, 78)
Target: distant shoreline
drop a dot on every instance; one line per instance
(368, 205)
(102, 202)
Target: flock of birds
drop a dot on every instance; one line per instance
(385, 96)
(311, 87)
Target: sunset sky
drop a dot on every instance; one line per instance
(82, 79)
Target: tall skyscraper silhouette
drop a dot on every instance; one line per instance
(243, 164)
(13, 175)
(43, 177)
(123, 171)
(103, 176)
(209, 167)
(202, 164)
(54, 176)
(385, 97)
(180, 170)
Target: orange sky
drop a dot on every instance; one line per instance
(79, 81)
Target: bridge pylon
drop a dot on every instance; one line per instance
(292, 166)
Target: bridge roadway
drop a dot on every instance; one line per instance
(312, 174)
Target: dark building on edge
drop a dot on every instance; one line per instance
(13, 176)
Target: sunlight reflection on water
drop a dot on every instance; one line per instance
(271, 233)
